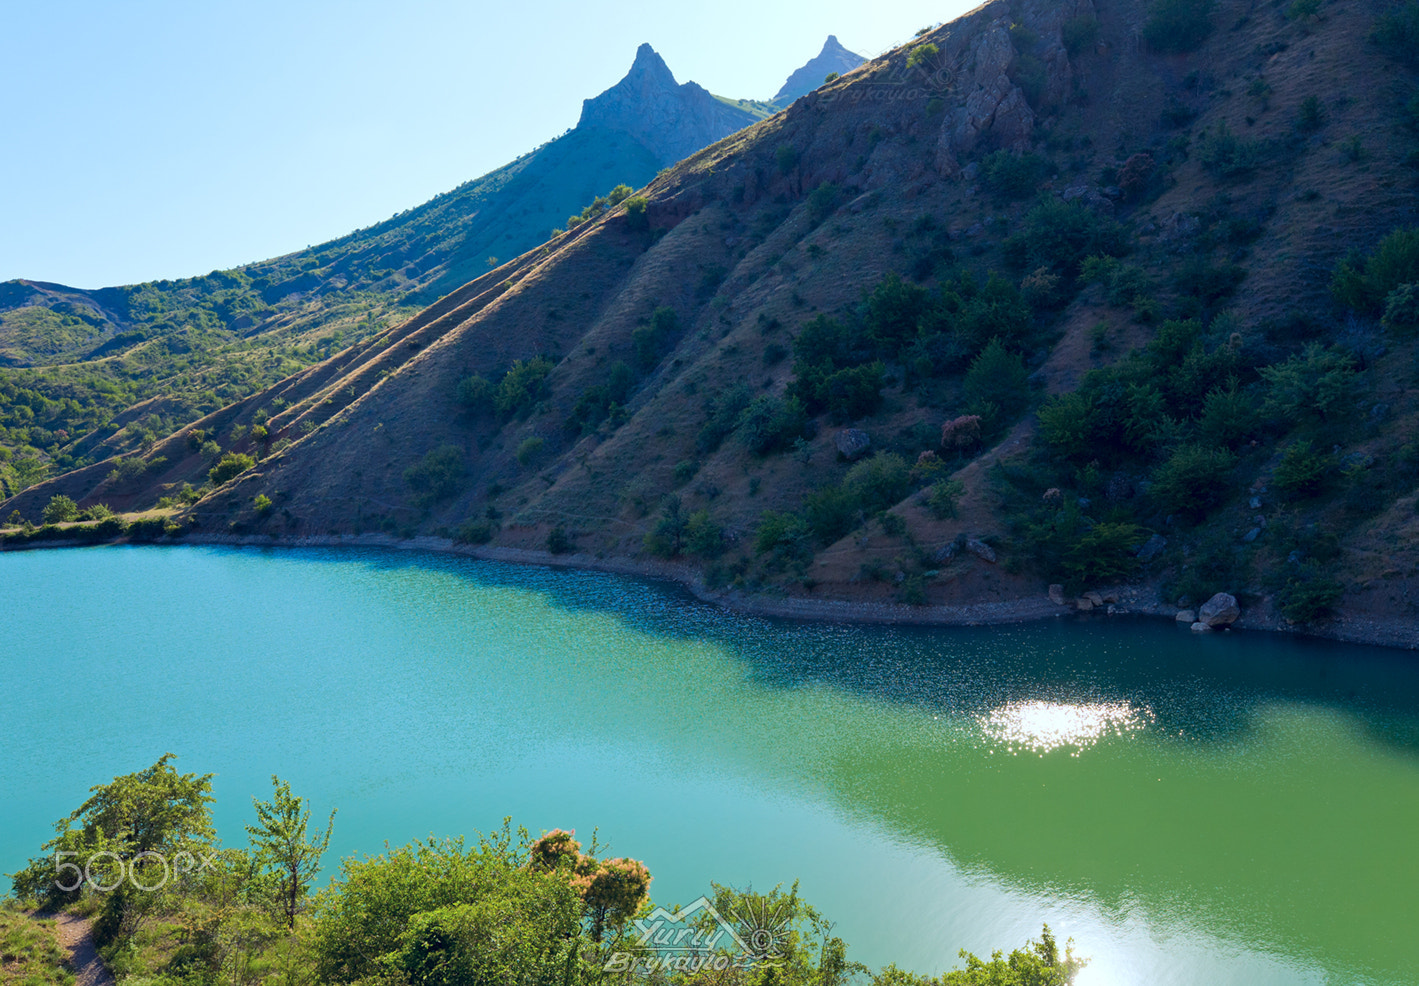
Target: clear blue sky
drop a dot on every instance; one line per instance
(149, 139)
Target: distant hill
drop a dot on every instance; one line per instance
(833, 58)
(94, 372)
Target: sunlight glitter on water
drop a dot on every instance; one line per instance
(1041, 726)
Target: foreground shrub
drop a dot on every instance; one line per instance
(522, 386)
(1309, 593)
(1302, 470)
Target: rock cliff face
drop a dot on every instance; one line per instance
(991, 69)
(833, 58)
(671, 120)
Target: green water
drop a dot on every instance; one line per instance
(1224, 809)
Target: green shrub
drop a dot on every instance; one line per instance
(666, 538)
(770, 424)
(944, 497)
(230, 466)
(1013, 176)
(636, 217)
(1225, 155)
(1228, 416)
(1176, 26)
(1104, 554)
(522, 386)
(261, 504)
(529, 449)
(1302, 470)
(1315, 385)
(1311, 115)
(603, 401)
(1402, 310)
(210, 450)
(922, 55)
(823, 200)
(996, 387)
(559, 542)
(476, 394)
(474, 532)
(60, 510)
(1059, 235)
(894, 311)
(650, 340)
(723, 412)
(1308, 594)
(784, 537)
(437, 476)
(879, 482)
(1396, 32)
(703, 537)
(1365, 283)
(1194, 479)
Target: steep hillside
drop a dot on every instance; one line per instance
(1065, 269)
(834, 59)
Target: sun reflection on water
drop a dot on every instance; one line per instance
(1040, 726)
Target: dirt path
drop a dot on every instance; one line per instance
(76, 935)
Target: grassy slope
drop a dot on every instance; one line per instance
(736, 253)
(29, 951)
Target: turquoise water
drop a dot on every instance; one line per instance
(1229, 809)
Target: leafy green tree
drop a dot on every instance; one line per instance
(636, 217)
(770, 424)
(997, 386)
(476, 394)
(282, 842)
(703, 537)
(153, 811)
(666, 538)
(59, 510)
(1302, 470)
(1364, 283)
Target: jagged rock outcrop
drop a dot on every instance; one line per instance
(671, 120)
(833, 58)
(983, 68)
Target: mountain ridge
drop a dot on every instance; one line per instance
(1073, 288)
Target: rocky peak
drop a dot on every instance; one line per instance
(671, 120)
(833, 58)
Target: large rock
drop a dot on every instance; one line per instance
(852, 443)
(980, 549)
(1152, 548)
(1219, 611)
(1056, 594)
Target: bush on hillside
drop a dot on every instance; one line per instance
(230, 466)
(1193, 480)
(1013, 176)
(1059, 235)
(1302, 470)
(475, 393)
(522, 386)
(770, 424)
(1402, 310)
(1316, 385)
(1176, 26)
(60, 510)
(650, 340)
(437, 476)
(997, 387)
(1396, 32)
(1364, 283)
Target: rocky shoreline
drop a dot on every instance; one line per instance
(1135, 600)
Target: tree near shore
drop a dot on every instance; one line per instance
(281, 842)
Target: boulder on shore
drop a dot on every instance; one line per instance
(1219, 611)
(1186, 616)
(1056, 594)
